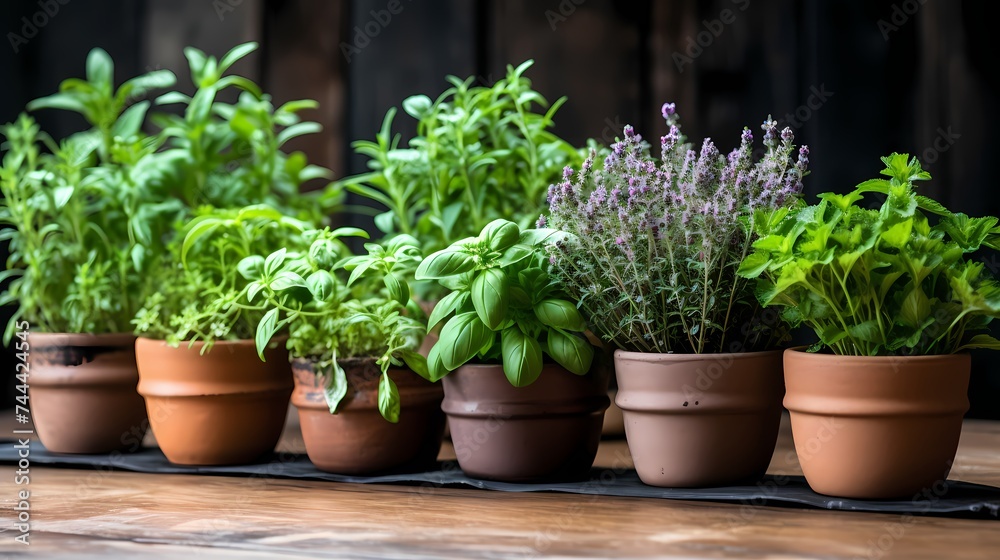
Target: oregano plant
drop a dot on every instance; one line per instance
(504, 307)
(891, 280)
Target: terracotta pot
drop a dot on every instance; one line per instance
(82, 392)
(876, 427)
(700, 420)
(548, 430)
(357, 440)
(225, 407)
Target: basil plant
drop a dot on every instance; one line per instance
(504, 307)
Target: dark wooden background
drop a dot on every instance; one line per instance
(903, 75)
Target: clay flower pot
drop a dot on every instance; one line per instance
(225, 407)
(700, 420)
(357, 440)
(876, 427)
(82, 392)
(548, 430)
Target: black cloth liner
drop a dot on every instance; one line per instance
(952, 498)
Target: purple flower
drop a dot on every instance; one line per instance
(629, 131)
(541, 221)
(668, 110)
(567, 172)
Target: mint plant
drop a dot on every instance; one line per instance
(336, 306)
(481, 153)
(504, 307)
(891, 281)
(653, 246)
(84, 218)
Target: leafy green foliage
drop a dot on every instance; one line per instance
(337, 306)
(503, 307)
(891, 281)
(203, 291)
(480, 153)
(85, 214)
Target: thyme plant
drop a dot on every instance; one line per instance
(655, 245)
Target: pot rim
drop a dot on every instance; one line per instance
(679, 356)
(80, 339)
(199, 344)
(799, 352)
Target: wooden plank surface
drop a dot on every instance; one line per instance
(92, 514)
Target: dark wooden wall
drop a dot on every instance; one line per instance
(903, 75)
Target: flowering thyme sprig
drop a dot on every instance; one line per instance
(656, 244)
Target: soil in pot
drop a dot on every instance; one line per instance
(876, 427)
(224, 407)
(700, 420)
(357, 440)
(547, 431)
(83, 392)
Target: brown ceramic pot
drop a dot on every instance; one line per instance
(700, 420)
(357, 440)
(548, 430)
(82, 392)
(225, 407)
(875, 427)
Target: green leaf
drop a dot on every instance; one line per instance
(899, 234)
(335, 388)
(522, 357)
(570, 351)
(443, 308)
(286, 280)
(435, 365)
(129, 123)
(251, 267)
(515, 254)
(490, 297)
(753, 265)
(236, 53)
(500, 234)
(298, 129)
(200, 230)
(274, 261)
(417, 106)
(462, 337)
(415, 361)
(321, 285)
(388, 399)
(560, 314)
(265, 331)
(100, 70)
(535, 237)
(398, 290)
(980, 341)
(58, 101)
(447, 262)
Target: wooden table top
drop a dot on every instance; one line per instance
(94, 514)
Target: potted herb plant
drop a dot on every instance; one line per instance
(210, 398)
(651, 257)
(519, 393)
(83, 218)
(353, 335)
(877, 404)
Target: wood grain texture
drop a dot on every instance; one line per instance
(92, 514)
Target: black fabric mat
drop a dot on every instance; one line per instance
(948, 499)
